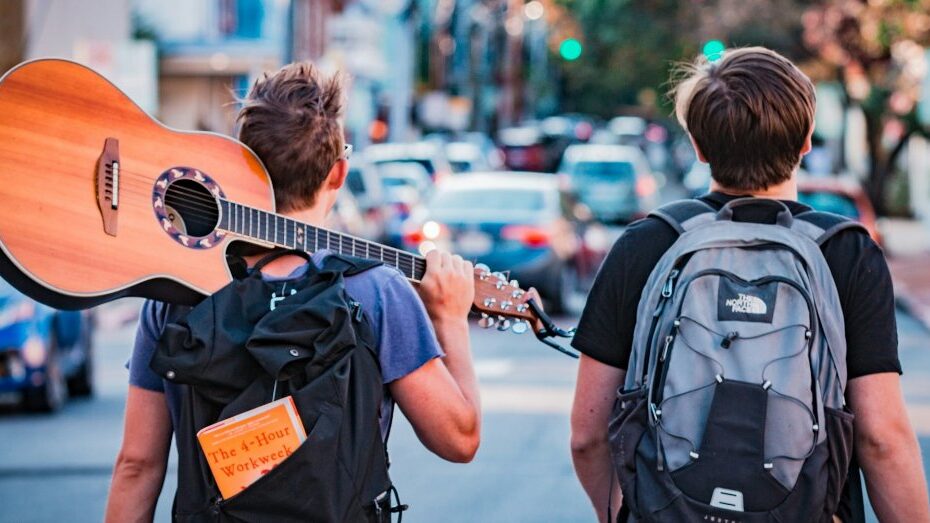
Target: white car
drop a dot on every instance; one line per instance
(613, 181)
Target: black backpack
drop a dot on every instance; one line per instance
(243, 347)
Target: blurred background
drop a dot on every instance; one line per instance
(524, 134)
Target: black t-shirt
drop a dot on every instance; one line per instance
(605, 331)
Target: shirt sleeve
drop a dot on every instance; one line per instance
(869, 311)
(151, 323)
(407, 340)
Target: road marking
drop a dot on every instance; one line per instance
(526, 399)
(493, 368)
(920, 419)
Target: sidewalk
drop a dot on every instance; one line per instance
(907, 245)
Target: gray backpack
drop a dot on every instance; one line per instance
(733, 405)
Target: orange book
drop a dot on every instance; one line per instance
(243, 448)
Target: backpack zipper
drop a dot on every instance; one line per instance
(659, 387)
(668, 288)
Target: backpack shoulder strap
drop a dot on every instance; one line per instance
(348, 265)
(684, 215)
(820, 226)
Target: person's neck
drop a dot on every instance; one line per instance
(787, 190)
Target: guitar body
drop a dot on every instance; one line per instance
(61, 240)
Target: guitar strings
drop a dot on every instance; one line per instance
(208, 208)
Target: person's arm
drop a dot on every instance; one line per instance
(887, 449)
(440, 399)
(140, 465)
(595, 392)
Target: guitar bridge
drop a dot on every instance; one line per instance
(108, 167)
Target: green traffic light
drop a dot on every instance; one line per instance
(570, 49)
(714, 49)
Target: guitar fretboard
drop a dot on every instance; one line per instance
(292, 234)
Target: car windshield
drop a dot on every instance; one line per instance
(490, 200)
(603, 171)
(829, 202)
(426, 163)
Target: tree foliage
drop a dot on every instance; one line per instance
(876, 49)
(632, 46)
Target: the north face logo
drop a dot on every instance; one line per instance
(747, 304)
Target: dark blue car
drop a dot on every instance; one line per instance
(517, 222)
(45, 354)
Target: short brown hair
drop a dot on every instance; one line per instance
(749, 113)
(291, 120)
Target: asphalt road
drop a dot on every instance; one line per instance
(57, 468)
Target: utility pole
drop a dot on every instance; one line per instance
(512, 107)
(308, 28)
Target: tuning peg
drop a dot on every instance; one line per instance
(489, 302)
(503, 323)
(482, 267)
(486, 322)
(515, 284)
(500, 276)
(519, 327)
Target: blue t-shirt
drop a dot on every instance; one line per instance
(405, 336)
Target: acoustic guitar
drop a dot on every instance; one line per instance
(98, 201)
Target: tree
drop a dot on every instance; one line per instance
(631, 46)
(876, 50)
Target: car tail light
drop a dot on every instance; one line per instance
(645, 186)
(528, 235)
(428, 232)
(413, 238)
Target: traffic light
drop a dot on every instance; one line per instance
(570, 49)
(714, 49)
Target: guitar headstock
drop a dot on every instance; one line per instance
(501, 302)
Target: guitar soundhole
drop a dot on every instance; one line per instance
(191, 208)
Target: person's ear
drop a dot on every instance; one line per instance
(697, 150)
(808, 145)
(337, 175)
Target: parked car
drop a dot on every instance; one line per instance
(405, 187)
(466, 157)
(45, 355)
(841, 195)
(517, 222)
(613, 181)
(697, 179)
(364, 184)
(429, 155)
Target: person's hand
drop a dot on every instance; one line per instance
(448, 287)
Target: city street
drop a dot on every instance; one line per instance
(57, 468)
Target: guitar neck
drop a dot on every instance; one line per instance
(289, 233)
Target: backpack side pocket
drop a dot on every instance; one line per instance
(627, 425)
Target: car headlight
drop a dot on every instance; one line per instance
(34, 351)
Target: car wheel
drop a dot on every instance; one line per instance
(51, 395)
(82, 383)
